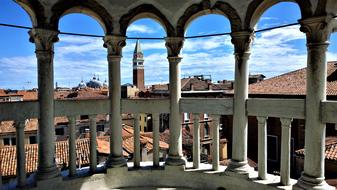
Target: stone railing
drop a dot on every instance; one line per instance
(285, 109)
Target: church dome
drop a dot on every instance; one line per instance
(82, 85)
(105, 84)
(94, 83)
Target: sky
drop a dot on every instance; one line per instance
(80, 58)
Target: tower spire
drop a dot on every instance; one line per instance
(138, 67)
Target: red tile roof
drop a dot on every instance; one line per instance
(8, 156)
(293, 83)
(330, 149)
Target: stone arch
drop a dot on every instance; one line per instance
(90, 8)
(35, 11)
(258, 7)
(205, 7)
(145, 11)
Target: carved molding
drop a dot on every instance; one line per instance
(44, 39)
(99, 12)
(174, 46)
(242, 41)
(286, 122)
(114, 44)
(126, 19)
(219, 6)
(317, 29)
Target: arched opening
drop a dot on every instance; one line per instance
(17, 56)
(207, 71)
(79, 59)
(278, 70)
(155, 64)
(144, 68)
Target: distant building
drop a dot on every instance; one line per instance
(138, 67)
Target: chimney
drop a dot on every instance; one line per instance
(210, 86)
(191, 87)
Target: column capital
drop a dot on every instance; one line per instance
(44, 39)
(20, 124)
(317, 29)
(174, 46)
(114, 44)
(242, 41)
(174, 60)
(286, 122)
(261, 119)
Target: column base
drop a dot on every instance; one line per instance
(51, 184)
(175, 161)
(239, 169)
(47, 173)
(309, 182)
(115, 162)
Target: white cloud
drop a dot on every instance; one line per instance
(138, 28)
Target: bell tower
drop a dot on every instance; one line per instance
(138, 67)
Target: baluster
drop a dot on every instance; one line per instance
(262, 146)
(285, 150)
(20, 153)
(215, 145)
(72, 146)
(155, 120)
(196, 140)
(136, 141)
(93, 135)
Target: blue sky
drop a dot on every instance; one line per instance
(273, 52)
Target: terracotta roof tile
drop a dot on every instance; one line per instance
(293, 83)
(330, 149)
(8, 156)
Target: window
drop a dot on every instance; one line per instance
(32, 140)
(13, 139)
(59, 131)
(84, 117)
(83, 129)
(7, 141)
(272, 148)
(100, 128)
(186, 117)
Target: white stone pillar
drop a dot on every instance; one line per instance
(196, 140)
(318, 30)
(72, 146)
(44, 42)
(215, 142)
(174, 45)
(156, 136)
(115, 45)
(262, 146)
(242, 41)
(285, 150)
(93, 143)
(136, 141)
(20, 153)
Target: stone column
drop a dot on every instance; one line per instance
(156, 136)
(44, 42)
(93, 143)
(20, 153)
(242, 41)
(262, 146)
(72, 146)
(285, 150)
(215, 142)
(196, 140)
(318, 32)
(174, 46)
(115, 44)
(136, 141)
